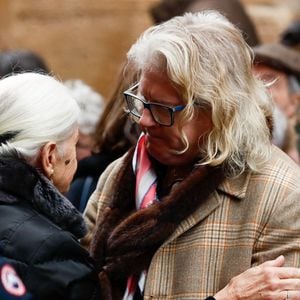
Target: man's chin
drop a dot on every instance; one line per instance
(163, 157)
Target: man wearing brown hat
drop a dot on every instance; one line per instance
(279, 66)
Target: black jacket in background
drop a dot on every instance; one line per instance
(39, 231)
(86, 178)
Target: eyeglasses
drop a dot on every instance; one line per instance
(162, 114)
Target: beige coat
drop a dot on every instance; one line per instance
(246, 221)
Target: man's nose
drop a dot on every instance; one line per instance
(146, 119)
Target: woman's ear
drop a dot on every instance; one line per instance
(48, 158)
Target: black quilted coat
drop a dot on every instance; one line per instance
(39, 232)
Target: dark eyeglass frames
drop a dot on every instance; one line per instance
(162, 114)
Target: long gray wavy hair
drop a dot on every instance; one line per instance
(207, 57)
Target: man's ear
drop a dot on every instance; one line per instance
(48, 158)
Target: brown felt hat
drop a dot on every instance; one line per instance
(279, 57)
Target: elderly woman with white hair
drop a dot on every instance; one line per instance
(204, 195)
(39, 227)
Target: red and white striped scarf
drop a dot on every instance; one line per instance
(145, 195)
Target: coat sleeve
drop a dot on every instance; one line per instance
(281, 235)
(66, 279)
(62, 270)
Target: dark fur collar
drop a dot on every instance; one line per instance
(21, 182)
(126, 239)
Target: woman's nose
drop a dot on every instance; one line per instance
(146, 119)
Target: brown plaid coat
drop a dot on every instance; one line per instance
(246, 221)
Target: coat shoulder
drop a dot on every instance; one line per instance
(281, 168)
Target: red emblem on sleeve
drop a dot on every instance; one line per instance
(11, 281)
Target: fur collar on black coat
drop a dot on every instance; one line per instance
(21, 182)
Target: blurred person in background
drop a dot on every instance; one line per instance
(279, 67)
(39, 227)
(91, 106)
(20, 61)
(291, 35)
(114, 135)
(115, 132)
(291, 38)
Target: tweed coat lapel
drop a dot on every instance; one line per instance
(204, 210)
(234, 187)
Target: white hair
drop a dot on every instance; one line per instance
(91, 104)
(208, 59)
(36, 109)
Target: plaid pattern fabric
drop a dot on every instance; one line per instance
(248, 220)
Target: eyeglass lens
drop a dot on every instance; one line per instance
(161, 114)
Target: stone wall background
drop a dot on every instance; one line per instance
(88, 39)
(271, 17)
